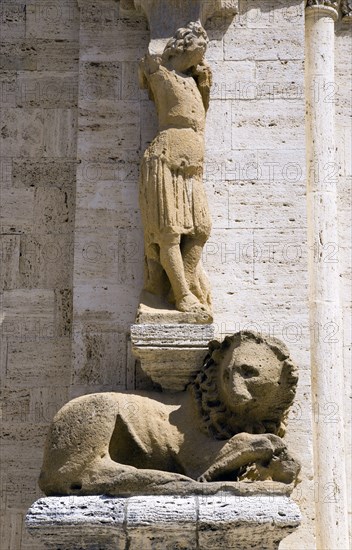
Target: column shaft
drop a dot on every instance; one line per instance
(326, 336)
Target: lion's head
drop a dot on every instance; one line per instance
(247, 384)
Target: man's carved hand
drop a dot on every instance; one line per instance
(252, 456)
(148, 65)
(203, 74)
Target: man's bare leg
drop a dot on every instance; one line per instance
(172, 262)
(192, 248)
(155, 280)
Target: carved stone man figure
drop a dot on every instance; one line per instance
(174, 207)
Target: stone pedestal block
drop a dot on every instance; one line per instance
(171, 353)
(171, 522)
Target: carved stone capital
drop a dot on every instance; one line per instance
(330, 8)
(346, 11)
(327, 8)
(321, 3)
(165, 16)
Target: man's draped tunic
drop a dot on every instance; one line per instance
(172, 197)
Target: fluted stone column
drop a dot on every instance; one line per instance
(326, 340)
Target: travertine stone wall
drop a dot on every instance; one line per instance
(85, 249)
(108, 236)
(39, 80)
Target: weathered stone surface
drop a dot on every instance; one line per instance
(63, 55)
(28, 307)
(286, 43)
(170, 367)
(112, 44)
(41, 256)
(170, 353)
(194, 522)
(102, 359)
(17, 210)
(10, 257)
(101, 134)
(172, 335)
(154, 309)
(44, 172)
(26, 370)
(18, 56)
(46, 89)
(281, 120)
(52, 21)
(22, 132)
(13, 21)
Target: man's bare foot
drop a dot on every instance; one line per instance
(199, 286)
(171, 296)
(190, 304)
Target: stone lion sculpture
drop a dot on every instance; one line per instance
(226, 426)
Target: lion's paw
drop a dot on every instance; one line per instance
(277, 444)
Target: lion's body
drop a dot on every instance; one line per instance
(128, 428)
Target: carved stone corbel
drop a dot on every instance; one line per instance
(165, 16)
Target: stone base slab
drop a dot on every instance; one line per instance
(171, 353)
(170, 522)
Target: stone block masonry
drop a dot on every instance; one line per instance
(39, 84)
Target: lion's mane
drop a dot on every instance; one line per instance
(218, 420)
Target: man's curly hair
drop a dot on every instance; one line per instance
(179, 42)
(219, 420)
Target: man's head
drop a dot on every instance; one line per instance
(187, 47)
